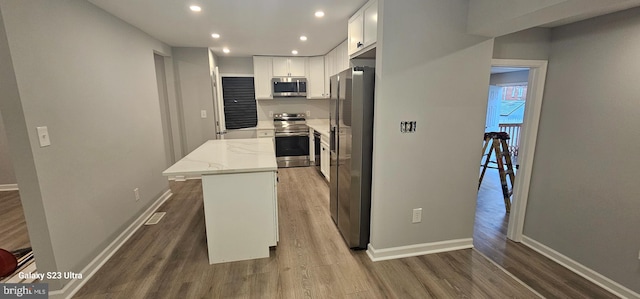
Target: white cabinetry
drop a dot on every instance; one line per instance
(324, 157)
(334, 62)
(342, 57)
(289, 66)
(251, 211)
(363, 29)
(329, 69)
(262, 75)
(356, 33)
(316, 79)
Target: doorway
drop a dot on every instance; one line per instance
(521, 93)
(14, 235)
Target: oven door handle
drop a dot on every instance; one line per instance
(293, 134)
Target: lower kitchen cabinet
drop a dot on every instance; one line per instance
(325, 158)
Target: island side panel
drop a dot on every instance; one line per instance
(239, 215)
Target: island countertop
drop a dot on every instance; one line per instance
(227, 156)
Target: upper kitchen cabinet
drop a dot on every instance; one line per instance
(289, 66)
(363, 29)
(262, 75)
(342, 57)
(316, 79)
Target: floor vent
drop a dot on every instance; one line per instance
(155, 218)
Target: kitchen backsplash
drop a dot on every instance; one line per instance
(318, 108)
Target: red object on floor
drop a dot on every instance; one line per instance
(8, 263)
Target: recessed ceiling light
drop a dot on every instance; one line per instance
(294, 52)
(319, 14)
(215, 35)
(195, 8)
(226, 50)
(303, 38)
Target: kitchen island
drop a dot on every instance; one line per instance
(239, 187)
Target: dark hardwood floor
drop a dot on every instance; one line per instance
(169, 260)
(545, 276)
(13, 227)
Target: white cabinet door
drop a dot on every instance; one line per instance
(297, 66)
(356, 33)
(315, 85)
(343, 57)
(363, 29)
(280, 66)
(262, 75)
(324, 160)
(370, 24)
(331, 62)
(289, 66)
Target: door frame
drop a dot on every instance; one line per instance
(529, 135)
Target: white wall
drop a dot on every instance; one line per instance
(90, 78)
(194, 93)
(318, 108)
(438, 72)
(584, 195)
(7, 176)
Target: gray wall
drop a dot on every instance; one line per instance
(7, 176)
(527, 44)
(235, 65)
(510, 77)
(318, 108)
(584, 196)
(90, 78)
(195, 93)
(417, 170)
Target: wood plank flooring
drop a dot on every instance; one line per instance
(13, 227)
(169, 260)
(542, 274)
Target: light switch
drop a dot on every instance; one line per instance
(203, 113)
(43, 136)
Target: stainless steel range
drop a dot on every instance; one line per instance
(292, 139)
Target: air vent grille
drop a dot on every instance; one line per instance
(155, 218)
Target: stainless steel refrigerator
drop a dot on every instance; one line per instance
(351, 119)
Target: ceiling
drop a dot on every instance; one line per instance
(246, 27)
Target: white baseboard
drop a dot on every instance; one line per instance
(418, 249)
(593, 276)
(74, 285)
(9, 187)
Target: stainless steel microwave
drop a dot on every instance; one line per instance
(289, 87)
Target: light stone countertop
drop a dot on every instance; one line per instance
(321, 125)
(227, 156)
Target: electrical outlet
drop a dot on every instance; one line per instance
(308, 113)
(417, 215)
(203, 113)
(136, 192)
(270, 113)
